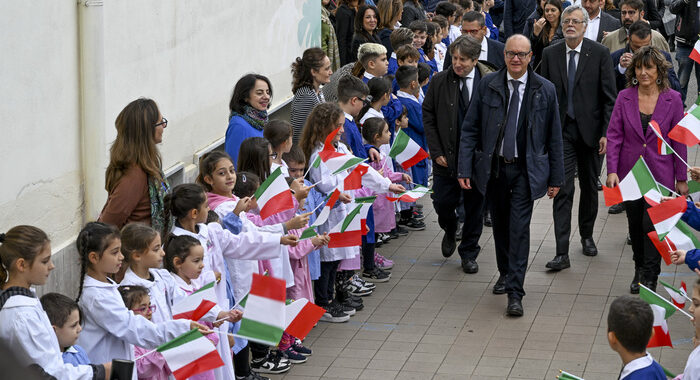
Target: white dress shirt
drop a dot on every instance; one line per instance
(484, 50)
(469, 80)
(521, 92)
(576, 57)
(593, 27)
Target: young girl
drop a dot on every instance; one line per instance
(153, 365)
(376, 131)
(380, 92)
(279, 134)
(25, 261)
(692, 366)
(110, 330)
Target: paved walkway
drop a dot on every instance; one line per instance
(432, 321)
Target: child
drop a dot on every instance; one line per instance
(692, 366)
(64, 315)
(406, 56)
(440, 41)
(376, 131)
(110, 330)
(407, 78)
(456, 26)
(424, 72)
(25, 261)
(691, 257)
(448, 12)
(279, 134)
(380, 93)
(151, 366)
(371, 61)
(433, 31)
(398, 38)
(630, 322)
(420, 35)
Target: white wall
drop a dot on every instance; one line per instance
(68, 70)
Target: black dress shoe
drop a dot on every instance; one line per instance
(559, 262)
(634, 285)
(649, 284)
(598, 185)
(487, 219)
(458, 234)
(589, 248)
(448, 244)
(515, 307)
(500, 286)
(470, 266)
(616, 209)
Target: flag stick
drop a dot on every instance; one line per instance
(307, 172)
(669, 147)
(146, 354)
(670, 303)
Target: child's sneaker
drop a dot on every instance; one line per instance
(355, 288)
(360, 281)
(382, 262)
(270, 364)
(252, 376)
(385, 237)
(344, 307)
(299, 348)
(401, 231)
(376, 275)
(294, 357)
(417, 215)
(412, 224)
(333, 314)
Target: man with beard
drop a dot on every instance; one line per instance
(631, 11)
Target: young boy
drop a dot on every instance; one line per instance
(398, 38)
(424, 72)
(406, 55)
(409, 91)
(64, 315)
(420, 34)
(630, 322)
(373, 59)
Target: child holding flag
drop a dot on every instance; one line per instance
(692, 366)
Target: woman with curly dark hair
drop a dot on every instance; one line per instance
(309, 72)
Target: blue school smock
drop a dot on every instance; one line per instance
(644, 368)
(692, 217)
(75, 355)
(393, 64)
(416, 132)
(353, 138)
(237, 131)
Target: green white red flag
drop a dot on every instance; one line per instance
(662, 310)
(322, 217)
(406, 151)
(347, 233)
(688, 129)
(662, 147)
(353, 181)
(695, 54)
(301, 316)
(411, 195)
(666, 215)
(678, 296)
(197, 304)
(636, 183)
(274, 195)
(365, 203)
(263, 318)
(680, 237)
(190, 354)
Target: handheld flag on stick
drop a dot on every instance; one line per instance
(322, 217)
(411, 195)
(662, 147)
(197, 304)
(563, 375)
(406, 151)
(687, 131)
(353, 181)
(190, 354)
(301, 316)
(678, 296)
(666, 215)
(653, 298)
(680, 237)
(263, 317)
(274, 195)
(636, 183)
(347, 233)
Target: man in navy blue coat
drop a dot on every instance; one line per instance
(511, 151)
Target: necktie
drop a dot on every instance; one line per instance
(465, 92)
(570, 89)
(511, 123)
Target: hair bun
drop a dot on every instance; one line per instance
(2, 237)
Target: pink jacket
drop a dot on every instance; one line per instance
(300, 266)
(151, 366)
(384, 216)
(280, 217)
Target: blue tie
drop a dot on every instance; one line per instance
(511, 123)
(570, 89)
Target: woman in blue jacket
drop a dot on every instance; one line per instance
(249, 104)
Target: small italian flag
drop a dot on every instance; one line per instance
(365, 203)
(322, 217)
(263, 317)
(694, 191)
(406, 151)
(273, 195)
(662, 146)
(335, 161)
(301, 316)
(353, 181)
(680, 237)
(563, 375)
(663, 248)
(411, 195)
(190, 354)
(662, 310)
(695, 54)
(347, 233)
(678, 296)
(653, 196)
(197, 304)
(635, 184)
(666, 215)
(688, 129)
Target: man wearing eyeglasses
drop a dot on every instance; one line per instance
(582, 72)
(511, 151)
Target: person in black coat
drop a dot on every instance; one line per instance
(412, 11)
(511, 151)
(444, 108)
(474, 24)
(366, 21)
(515, 14)
(581, 71)
(345, 28)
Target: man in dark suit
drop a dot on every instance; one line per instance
(444, 108)
(581, 71)
(511, 151)
(599, 22)
(640, 35)
(474, 24)
(514, 15)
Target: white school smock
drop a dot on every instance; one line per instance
(25, 327)
(162, 290)
(110, 330)
(328, 182)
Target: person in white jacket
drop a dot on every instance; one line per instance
(25, 261)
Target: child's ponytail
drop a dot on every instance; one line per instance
(20, 242)
(94, 237)
(184, 198)
(372, 127)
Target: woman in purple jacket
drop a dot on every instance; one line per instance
(648, 97)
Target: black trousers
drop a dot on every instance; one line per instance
(508, 193)
(367, 252)
(647, 260)
(241, 360)
(446, 199)
(576, 153)
(324, 286)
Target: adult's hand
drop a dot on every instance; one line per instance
(682, 188)
(612, 180)
(626, 60)
(538, 25)
(442, 161)
(602, 145)
(465, 183)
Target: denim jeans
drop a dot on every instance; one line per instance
(685, 67)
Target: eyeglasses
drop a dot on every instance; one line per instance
(151, 308)
(164, 123)
(521, 55)
(570, 21)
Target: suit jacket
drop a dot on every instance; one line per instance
(481, 130)
(494, 55)
(627, 140)
(515, 14)
(621, 79)
(441, 108)
(607, 24)
(594, 86)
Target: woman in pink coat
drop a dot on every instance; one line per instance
(648, 98)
